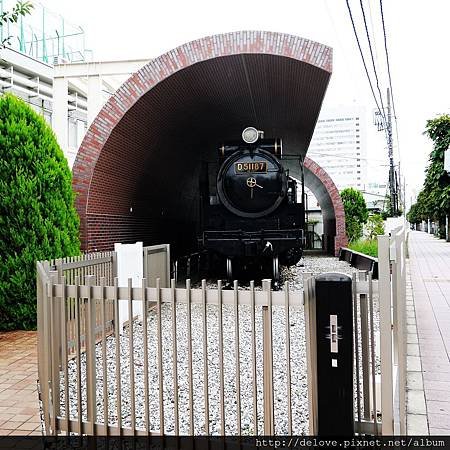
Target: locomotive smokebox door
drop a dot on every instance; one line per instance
(334, 334)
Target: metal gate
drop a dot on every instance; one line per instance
(227, 370)
(204, 360)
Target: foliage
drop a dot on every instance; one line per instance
(375, 226)
(20, 9)
(355, 213)
(38, 219)
(433, 201)
(368, 247)
(388, 210)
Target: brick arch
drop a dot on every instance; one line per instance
(173, 109)
(327, 194)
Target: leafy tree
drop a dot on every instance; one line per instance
(355, 213)
(375, 226)
(433, 200)
(20, 9)
(38, 219)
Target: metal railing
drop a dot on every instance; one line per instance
(92, 266)
(392, 300)
(97, 393)
(379, 314)
(366, 348)
(228, 380)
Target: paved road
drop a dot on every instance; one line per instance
(430, 276)
(19, 408)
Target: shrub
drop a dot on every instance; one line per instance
(38, 219)
(355, 213)
(375, 226)
(368, 247)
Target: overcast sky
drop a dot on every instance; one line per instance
(417, 32)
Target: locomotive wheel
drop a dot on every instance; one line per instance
(291, 256)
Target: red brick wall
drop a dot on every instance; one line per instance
(332, 192)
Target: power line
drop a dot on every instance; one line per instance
(373, 30)
(390, 81)
(364, 62)
(337, 156)
(371, 53)
(389, 77)
(387, 58)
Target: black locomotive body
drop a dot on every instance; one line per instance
(250, 212)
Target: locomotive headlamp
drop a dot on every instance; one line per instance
(250, 135)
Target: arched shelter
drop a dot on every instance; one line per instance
(137, 171)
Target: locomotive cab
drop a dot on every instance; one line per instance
(252, 217)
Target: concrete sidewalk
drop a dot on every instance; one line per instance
(430, 279)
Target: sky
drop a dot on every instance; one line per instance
(416, 35)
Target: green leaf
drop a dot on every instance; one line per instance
(38, 219)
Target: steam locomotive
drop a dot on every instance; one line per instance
(250, 217)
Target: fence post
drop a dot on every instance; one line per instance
(447, 237)
(334, 334)
(43, 338)
(54, 345)
(114, 265)
(269, 426)
(91, 390)
(399, 274)
(145, 267)
(384, 284)
(57, 314)
(311, 345)
(363, 307)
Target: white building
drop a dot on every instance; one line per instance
(48, 67)
(339, 146)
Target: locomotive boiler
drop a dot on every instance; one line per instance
(251, 216)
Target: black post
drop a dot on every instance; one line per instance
(334, 334)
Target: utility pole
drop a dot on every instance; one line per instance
(392, 180)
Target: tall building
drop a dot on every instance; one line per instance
(339, 146)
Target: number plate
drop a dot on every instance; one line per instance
(250, 167)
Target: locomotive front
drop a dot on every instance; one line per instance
(251, 183)
(251, 216)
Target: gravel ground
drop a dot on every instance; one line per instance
(298, 366)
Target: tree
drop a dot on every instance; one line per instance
(433, 201)
(20, 9)
(355, 213)
(38, 219)
(375, 226)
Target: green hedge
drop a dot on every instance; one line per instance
(368, 247)
(38, 219)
